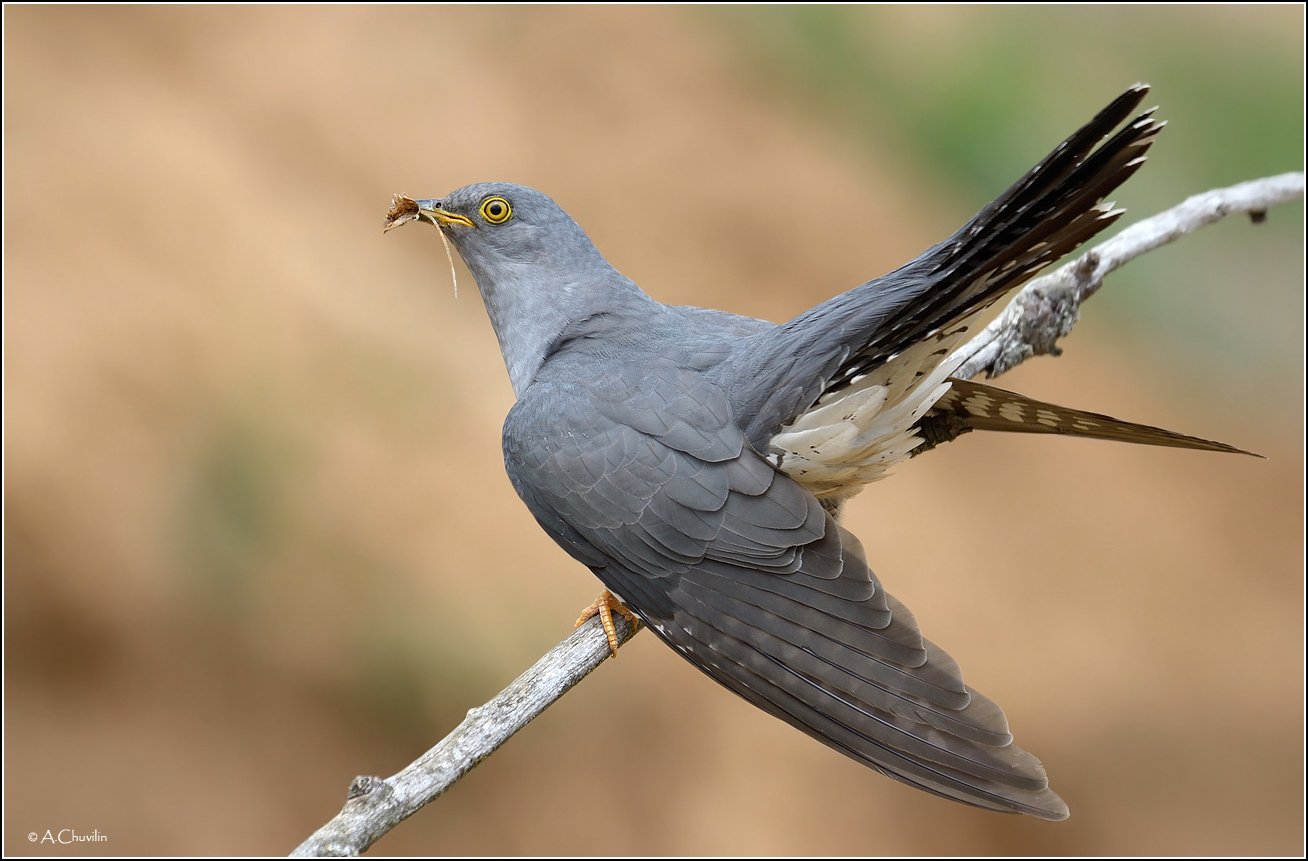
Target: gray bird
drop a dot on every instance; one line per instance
(696, 460)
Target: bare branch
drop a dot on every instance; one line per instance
(1044, 311)
(1047, 308)
(374, 805)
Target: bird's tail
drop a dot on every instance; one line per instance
(969, 406)
(911, 320)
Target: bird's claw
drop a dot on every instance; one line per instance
(604, 606)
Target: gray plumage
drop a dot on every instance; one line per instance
(694, 459)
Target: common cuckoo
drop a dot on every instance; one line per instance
(696, 460)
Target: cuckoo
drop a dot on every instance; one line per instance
(696, 460)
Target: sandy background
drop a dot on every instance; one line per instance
(258, 538)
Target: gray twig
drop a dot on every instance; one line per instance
(375, 805)
(1041, 313)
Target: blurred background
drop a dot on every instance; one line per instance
(258, 536)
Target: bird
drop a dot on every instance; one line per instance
(697, 461)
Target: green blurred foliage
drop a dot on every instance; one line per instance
(982, 88)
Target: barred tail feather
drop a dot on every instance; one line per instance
(969, 406)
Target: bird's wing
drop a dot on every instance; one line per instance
(642, 473)
(880, 347)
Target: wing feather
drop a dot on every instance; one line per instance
(743, 573)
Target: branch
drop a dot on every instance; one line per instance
(374, 806)
(1047, 308)
(1041, 313)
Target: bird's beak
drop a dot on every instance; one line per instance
(431, 210)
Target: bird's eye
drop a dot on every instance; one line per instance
(496, 210)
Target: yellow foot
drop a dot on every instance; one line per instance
(604, 607)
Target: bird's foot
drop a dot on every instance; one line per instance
(604, 607)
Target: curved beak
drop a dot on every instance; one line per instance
(432, 211)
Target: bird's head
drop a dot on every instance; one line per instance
(501, 229)
(536, 269)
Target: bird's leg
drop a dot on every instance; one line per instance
(604, 607)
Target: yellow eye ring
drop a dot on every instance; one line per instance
(496, 210)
